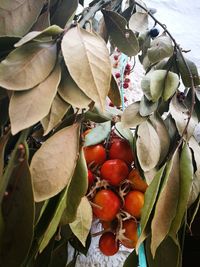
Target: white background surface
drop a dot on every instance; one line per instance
(182, 18)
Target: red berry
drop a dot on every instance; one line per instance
(108, 244)
(107, 205)
(126, 72)
(128, 66)
(111, 104)
(125, 99)
(117, 75)
(126, 85)
(116, 57)
(114, 171)
(121, 149)
(90, 177)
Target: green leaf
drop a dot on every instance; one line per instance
(18, 214)
(167, 254)
(71, 93)
(171, 85)
(186, 177)
(185, 75)
(131, 260)
(114, 93)
(28, 107)
(58, 109)
(63, 12)
(163, 134)
(98, 134)
(27, 66)
(87, 59)
(51, 31)
(193, 144)
(74, 192)
(159, 83)
(149, 202)
(147, 107)
(82, 225)
(195, 191)
(123, 38)
(53, 165)
(161, 47)
(3, 142)
(166, 206)
(18, 16)
(180, 114)
(148, 146)
(131, 116)
(54, 222)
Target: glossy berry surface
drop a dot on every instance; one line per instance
(91, 177)
(95, 154)
(120, 149)
(107, 205)
(154, 32)
(114, 171)
(108, 244)
(133, 203)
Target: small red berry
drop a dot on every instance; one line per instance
(116, 57)
(125, 85)
(90, 177)
(127, 72)
(111, 104)
(117, 75)
(118, 50)
(128, 66)
(125, 99)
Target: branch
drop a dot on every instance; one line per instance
(185, 63)
(92, 11)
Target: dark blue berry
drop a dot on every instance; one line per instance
(154, 32)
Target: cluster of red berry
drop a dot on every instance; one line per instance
(116, 192)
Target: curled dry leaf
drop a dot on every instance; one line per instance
(87, 59)
(53, 164)
(28, 107)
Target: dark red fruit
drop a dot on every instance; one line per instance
(125, 85)
(107, 205)
(91, 177)
(120, 149)
(114, 171)
(117, 75)
(108, 244)
(95, 154)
